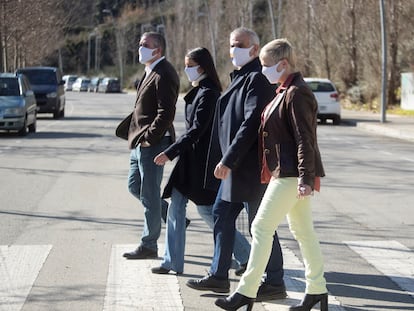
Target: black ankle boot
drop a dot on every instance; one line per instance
(235, 301)
(310, 300)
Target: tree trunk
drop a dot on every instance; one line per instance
(393, 82)
(354, 48)
(3, 33)
(307, 70)
(272, 18)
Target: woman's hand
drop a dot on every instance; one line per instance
(303, 191)
(221, 171)
(161, 159)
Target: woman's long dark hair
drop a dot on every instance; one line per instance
(203, 58)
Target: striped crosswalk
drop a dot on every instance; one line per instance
(131, 285)
(295, 283)
(391, 258)
(19, 267)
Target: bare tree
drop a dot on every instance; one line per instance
(394, 31)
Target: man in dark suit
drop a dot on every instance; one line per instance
(234, 146)
(150, 132)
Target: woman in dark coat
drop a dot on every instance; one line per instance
(189, 174)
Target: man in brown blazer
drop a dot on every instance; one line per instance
(150, 132)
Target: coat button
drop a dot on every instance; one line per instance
(266, 151)
(265, 134)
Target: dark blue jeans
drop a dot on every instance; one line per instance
(225, 215)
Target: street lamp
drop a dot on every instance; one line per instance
(118, 46)
(384, 62)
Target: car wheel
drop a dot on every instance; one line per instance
(32, 127)
(57, 113)
(336, 120)
(323, 121)
(23, 130)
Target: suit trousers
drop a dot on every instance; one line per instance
(279, 201)
(241, 248)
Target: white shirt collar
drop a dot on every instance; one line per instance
(151, 67)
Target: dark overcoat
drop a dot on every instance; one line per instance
(189, 173)
(234, 139)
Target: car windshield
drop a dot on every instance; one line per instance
(9, 87)
(72, 79)
(317, 86)
(37, 77)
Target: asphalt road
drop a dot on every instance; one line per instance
(64, 204)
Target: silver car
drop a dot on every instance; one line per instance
(18, 107)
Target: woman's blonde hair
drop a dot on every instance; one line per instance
(279, 49)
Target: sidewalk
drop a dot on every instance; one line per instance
(401, 127)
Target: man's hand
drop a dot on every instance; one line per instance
(221, 171)
(161, 159)
(145, 144)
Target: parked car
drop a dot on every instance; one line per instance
(327, 97)
(109, 85)
(81, 84)
(48, 86)
(93, 86)
(17, 104)
(69, 80)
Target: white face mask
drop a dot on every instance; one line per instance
(145, 54)
(192, 73)
(240, 56)
(272, 74)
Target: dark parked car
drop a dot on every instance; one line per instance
(17, 104)
(109, 85)
(48, 87)
(93, 86)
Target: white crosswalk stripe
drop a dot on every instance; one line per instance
(390, 258)
(132, 286)
(19, 267)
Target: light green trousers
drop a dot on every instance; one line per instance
(279, 201)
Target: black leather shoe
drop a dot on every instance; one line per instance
(209, 282)
(268, 292)
(160, 270)
(310, 300)
(234, 302)
(141, 253)
(241, 270)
